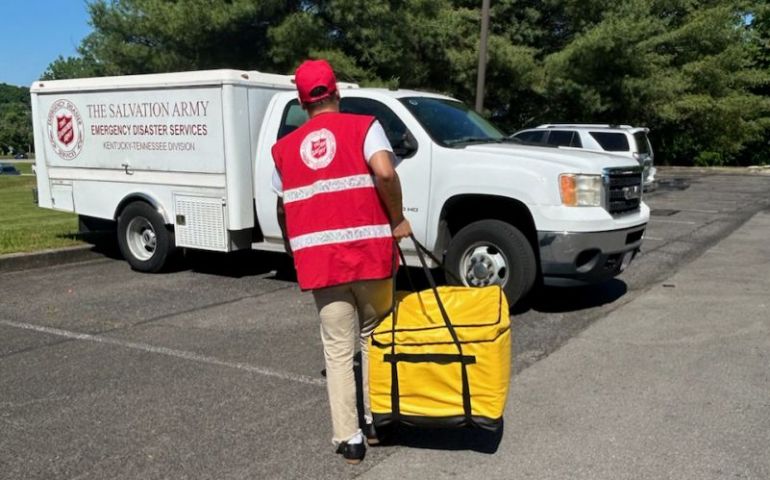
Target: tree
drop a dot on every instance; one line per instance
(147, 36)
(82, 66)
(15, 119)
(695, 71)
(682, 68)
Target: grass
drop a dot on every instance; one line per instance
(25, 227)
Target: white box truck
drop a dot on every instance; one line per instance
(183, 160)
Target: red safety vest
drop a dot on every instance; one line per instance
(337, 226)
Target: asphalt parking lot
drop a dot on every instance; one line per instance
(214, 369)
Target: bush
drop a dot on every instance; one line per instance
(710, 159)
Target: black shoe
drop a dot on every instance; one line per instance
(371, 435)
(353, 453)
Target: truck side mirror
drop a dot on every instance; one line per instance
(406, 146)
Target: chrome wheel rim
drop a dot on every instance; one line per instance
(141, 238)
(483, 264)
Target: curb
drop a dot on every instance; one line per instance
(752, 170)
(24, 261)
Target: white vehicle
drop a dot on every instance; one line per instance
(183, 160)
(619, 139)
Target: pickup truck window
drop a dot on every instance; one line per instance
(394, 128)
(451, 123)
(398, 135)
(293, 117)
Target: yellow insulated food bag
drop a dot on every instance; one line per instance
(442, 363)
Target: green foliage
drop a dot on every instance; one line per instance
(146, 36)
(697, 72)
(15, 119)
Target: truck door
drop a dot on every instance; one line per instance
(413, 160)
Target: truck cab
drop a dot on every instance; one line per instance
(494, 210)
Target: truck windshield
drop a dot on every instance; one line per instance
(450, 123)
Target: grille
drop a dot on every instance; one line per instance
(624, 190)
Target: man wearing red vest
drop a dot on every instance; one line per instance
(340, 209)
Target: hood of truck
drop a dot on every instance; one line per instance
(567, 161)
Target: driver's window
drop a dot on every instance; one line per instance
(393, 126)
(293, 117)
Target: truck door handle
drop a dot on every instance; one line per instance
(126, 166)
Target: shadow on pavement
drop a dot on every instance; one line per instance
(238, 264)
(246, 263)
(560, 300)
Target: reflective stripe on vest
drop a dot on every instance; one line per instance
(327, 186)
(328, 237)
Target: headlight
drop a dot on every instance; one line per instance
(580, 190)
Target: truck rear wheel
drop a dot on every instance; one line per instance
(490, 252)
(143, 238)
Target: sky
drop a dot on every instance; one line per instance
(33, 33)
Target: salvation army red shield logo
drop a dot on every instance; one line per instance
(65, 129)
(318, 149)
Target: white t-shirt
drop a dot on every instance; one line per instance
(375, 141)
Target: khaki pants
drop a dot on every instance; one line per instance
(341, 329)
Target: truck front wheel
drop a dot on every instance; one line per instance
(143, 238)
(490, 252)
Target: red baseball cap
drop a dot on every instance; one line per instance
(312, 74)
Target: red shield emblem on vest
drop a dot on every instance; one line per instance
(318, 148)
(64, 129)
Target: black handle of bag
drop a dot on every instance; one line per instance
(455, 339)
(420, 247)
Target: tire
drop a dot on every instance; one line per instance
(491, 252)
(144, 240)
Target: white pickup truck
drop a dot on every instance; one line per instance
(183, 160)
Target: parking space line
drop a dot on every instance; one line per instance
(698, 211)
(654, 239)
(681, 222)
(168, 352)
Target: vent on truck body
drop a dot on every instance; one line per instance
(199, 222)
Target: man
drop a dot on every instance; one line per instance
(340, 209)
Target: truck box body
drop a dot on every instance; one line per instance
(184, 142)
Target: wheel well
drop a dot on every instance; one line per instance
(463, 210)
(140, 198)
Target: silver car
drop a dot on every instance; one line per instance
(617, 139)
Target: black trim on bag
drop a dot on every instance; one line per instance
(500, 333)
(440, 358)
(382, 420)
(470, 325)
(395, 396)
(466, 389)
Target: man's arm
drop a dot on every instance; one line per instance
(389, 190)
(281, 214)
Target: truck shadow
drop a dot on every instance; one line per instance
(561, 300)
(240, 264)
(249, 263)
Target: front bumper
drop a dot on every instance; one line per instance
(581, 258)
